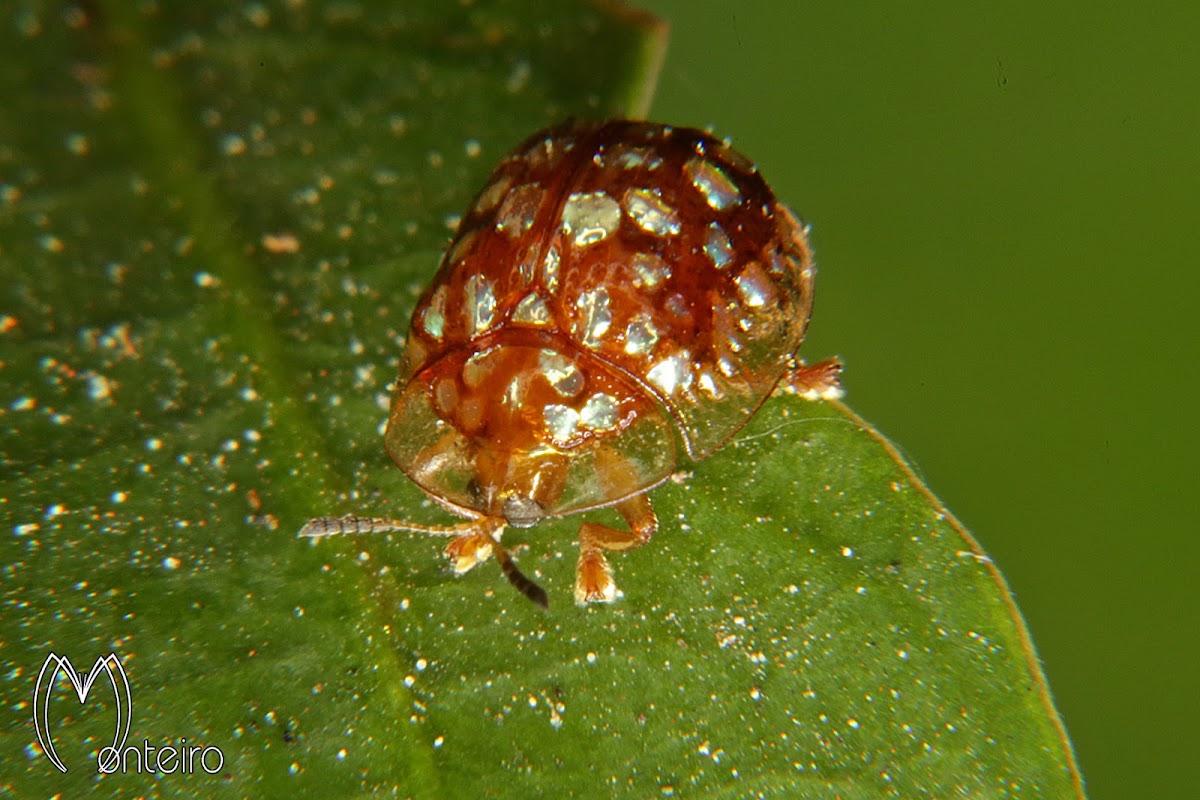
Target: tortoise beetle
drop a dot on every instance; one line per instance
(615, 285)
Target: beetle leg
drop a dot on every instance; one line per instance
(593, 577)
(483, 540)
(468, 549)
(814, 381)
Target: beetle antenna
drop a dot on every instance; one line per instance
(332, 526)
(517, 578)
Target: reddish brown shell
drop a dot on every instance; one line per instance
(608, 278)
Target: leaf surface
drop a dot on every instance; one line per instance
(213, 227)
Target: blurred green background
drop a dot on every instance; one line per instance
(1003, 199)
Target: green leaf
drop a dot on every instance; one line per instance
(213, 226)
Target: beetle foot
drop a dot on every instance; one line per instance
(818, 381)
(468, 550)
(593, 579)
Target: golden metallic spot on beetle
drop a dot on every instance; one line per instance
(717, 246)
(433, 319)
(708, 385)
(461, 245)
(647, 208)
(595, 316)
(648, 270)
(599, 413)
(624, 156)
(754, 286)
(546, 153)
(469, 413)
(561, 421)
(735, 159)
(724, 336)
(514, 393)
(779, 263)
(481, 303)
(640, 335)
(550, 266)
(561, 373)
(519, 209)
(445, 395)
(532, 310)
(415, 353)
(589, 217)
(433, 322)
(478, 367)
(672, 374)
(527, 265)
(719, 191)
(492, 194)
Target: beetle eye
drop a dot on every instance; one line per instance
(522, 512)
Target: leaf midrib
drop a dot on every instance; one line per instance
(172, 155)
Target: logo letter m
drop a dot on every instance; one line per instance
(42, 690)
